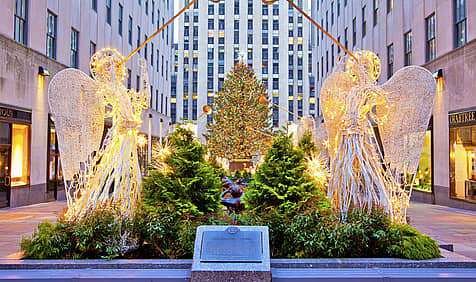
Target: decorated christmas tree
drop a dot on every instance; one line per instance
(241, 123)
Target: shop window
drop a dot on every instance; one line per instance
(20, 155)
(423, 176)
(463, 157)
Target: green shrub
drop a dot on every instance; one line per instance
(281, 184)
(307, 145)
(191, 186)
(165, 233)
(407, 242)
(98, 235)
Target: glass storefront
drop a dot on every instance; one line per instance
(462, 155)
(14, 151)
(20, 173)
(55, 173)
(423, 177)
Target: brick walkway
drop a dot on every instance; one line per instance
(18, 222)
(444, 224)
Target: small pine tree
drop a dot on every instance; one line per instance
(281, 184)
(241, 123)
(192, 186)
(307, 145)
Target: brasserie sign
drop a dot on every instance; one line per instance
(13, 114)
(460, 119)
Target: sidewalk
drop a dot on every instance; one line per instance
(22, 221)
(446, 225)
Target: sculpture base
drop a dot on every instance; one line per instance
(240, 164)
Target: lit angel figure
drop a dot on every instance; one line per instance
(354, 108)
(107, 175)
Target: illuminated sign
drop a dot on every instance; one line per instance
(13, 114)
(460, 119)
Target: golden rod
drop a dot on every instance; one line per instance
(199, 117)
(285, 110)
(325, 32)
(255, 130)
(157, 32)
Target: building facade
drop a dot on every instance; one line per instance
(38, 38)
(271, 39)
(435, 34)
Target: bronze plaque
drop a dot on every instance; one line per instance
(231, 245)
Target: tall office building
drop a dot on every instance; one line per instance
(40, 35)
(438, 35)
(272, 39)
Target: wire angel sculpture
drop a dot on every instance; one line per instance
(363, 174)
(96, 175)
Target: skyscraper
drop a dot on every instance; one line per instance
(272, 39)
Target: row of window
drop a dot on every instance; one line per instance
(430, 38)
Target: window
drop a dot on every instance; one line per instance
(211, 23)
(221, 26)
(145, 47)
(460, 22)
(275, 10)
(108, 11)
(129, 31)
(346, 41)
(92, 49)
(354, 33)
(364, 23)
(138, 38)
(275, 24)
(264, 10)
(430, 38)
(275, 40)
(236, 38)
(211, 9)
(275, 68)
(389, 6)
(74, 48)
(338, 8)
(390, 60)
(265, 38)
(20, 21)
(152, 52)
(290, 108)
(221, 8)
(51, 35)
(275, 83)
(462, 155)
(237, 7)
(408, 48)
(250, 24)
(327, 21)
(20, 165)
(119, 20)
(332, 55)
(332, 13)
(94, 5)
(129, 78)
(265, 25)
(375, 12)
(250, 7)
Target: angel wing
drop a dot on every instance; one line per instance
(333, 105)
(78, 114)
(410, 94)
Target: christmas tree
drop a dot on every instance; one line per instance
(241, 123)
(281, 184)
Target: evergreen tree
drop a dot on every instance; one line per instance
(191, 186)
(307, 145)
(281, 184)
(239, 118)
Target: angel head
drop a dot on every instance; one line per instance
(106, 66)
(367, 68)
